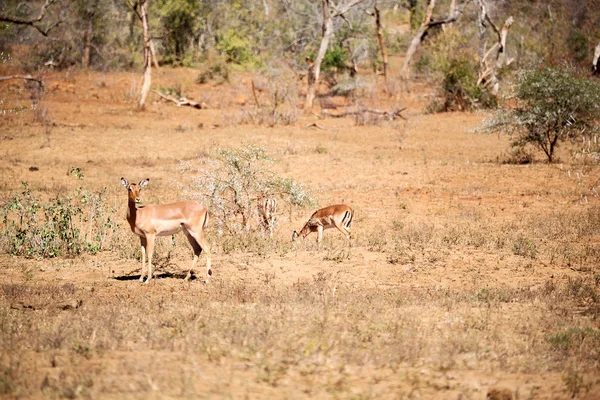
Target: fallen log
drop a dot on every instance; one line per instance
(182, 101)
(26, 77)
(390, 115)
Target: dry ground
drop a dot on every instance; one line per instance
(468, 278)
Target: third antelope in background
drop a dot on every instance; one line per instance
(338, 216)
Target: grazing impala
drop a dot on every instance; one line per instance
(166, 219)
(338, 216)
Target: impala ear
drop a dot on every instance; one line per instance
(144, 183)
(124, 182)
(294, 236)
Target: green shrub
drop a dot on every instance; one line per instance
(553, 105)
(66, 225)
(237, 49)
(459, 90)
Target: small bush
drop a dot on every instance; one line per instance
(66, 225)
(553, 105)
(459, 90)
(233, 182)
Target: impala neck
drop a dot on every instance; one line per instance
(131, 210)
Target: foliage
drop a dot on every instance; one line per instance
(66, 225)
(237, 49)
(179, 20)
(553, 105)
(232, 181)
(455, 64)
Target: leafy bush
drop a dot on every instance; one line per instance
(459, 90)
(66, 225)
(237, 49)
(553, 105)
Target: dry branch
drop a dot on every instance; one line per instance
(32, 21)
(390, 115)
(26, 77)
(425, 26)
(182, 101)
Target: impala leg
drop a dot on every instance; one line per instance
(319, 236)
(197, 250)
(348, 238)
(150, 251)
(144, 243)
(345, 232)
(203, 244)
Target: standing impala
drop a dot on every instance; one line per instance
(338, 216)
(164, 220)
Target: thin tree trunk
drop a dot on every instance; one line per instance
(596, 61)
(384, 54)
(153, 54)
(88, 36)
(414, 44)
(147, 54)
(314, 70)
(487, 68)
(425, 25)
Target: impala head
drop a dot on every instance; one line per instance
(134, 189)
(303, 232)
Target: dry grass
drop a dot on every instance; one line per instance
(467, 277)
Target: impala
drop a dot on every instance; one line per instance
(267, 210)
(338, 216)
(164, 220)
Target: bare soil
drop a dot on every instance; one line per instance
(438, 298)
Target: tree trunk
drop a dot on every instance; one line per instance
(314, 70)
(425, 25)
(596, 61)
(487, 68)
(147, 54)
(89, 36)
(414, 44)
(153, 54)
(384, 54)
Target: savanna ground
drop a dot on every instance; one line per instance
(468, 277)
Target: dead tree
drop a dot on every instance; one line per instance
(33, 22)
(495, 57)
(384, 55)
(427, 24)
(88, 34)
(596, 61)
(330, 12)
(142, 15)
(147, 54)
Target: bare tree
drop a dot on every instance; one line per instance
(88, 34)
(142, 15)
(427, 23)
(33, 22)
(384, 55)
(493, 58)
(596, 61)
(330, 11)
